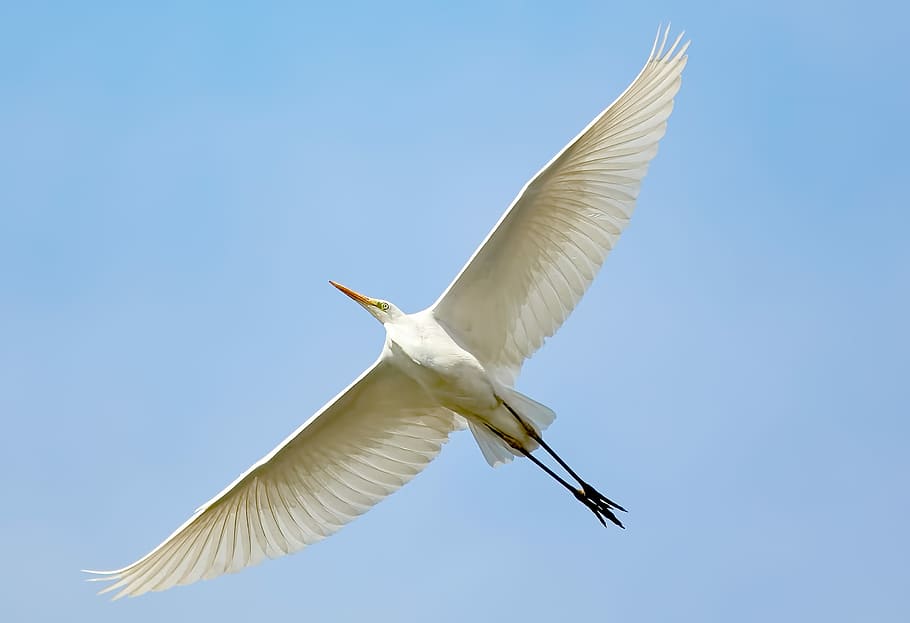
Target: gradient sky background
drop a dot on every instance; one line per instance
(179, 182)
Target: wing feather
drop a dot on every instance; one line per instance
(535, 265)
(363, 445)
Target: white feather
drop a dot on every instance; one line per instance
(531, 270)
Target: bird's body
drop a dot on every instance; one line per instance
(422, 349)
(450, 365)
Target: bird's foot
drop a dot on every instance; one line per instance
(599, 504)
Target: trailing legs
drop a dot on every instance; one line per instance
(596, 502)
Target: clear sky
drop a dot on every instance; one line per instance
(178, 183)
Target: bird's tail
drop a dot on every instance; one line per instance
(532, 414)
(494, 451)
(529, 410)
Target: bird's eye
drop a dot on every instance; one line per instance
(384, 306)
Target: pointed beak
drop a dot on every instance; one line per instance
(357, 296)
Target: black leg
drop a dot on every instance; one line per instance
(584, 495)
(588, 491)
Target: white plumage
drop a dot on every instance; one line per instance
(452, 363)
(536, 263)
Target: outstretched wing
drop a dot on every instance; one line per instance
(363, 445)
(532, 269)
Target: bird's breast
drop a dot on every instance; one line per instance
(446, 371)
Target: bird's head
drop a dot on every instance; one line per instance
(383, 311)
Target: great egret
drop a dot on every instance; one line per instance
(450, 365)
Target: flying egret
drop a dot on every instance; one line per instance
(449, 366)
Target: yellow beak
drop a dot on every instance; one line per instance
(357, 296)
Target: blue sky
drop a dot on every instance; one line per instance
(179, 182)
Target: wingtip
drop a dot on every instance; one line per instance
(101, 576)
(663, 41)
(654, 45)
(107, 576)
(661, 52)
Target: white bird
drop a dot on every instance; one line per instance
(450, 365)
